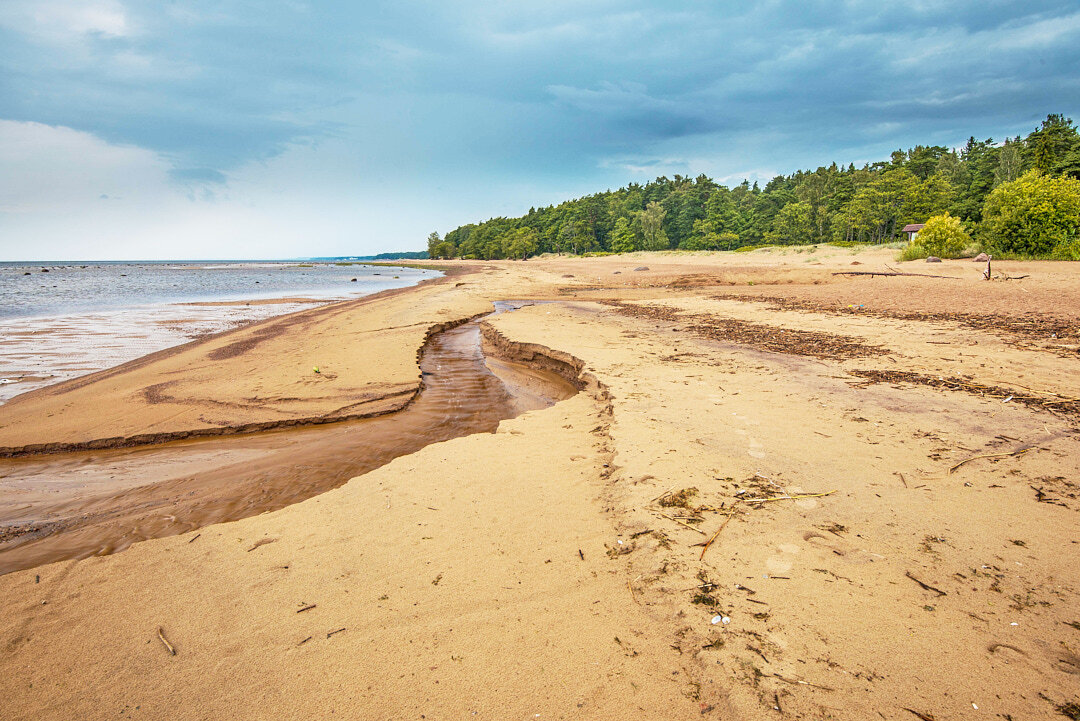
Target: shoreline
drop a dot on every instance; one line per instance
(75, 505)
(76, 328)
(738, 458)
(203, 350)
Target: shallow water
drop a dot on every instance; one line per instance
(77, 319)
(43, 290)
(76, 505)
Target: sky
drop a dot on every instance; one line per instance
(143, 129)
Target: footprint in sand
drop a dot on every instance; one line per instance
(782, 563)
(804, 503)
(755, 450)
(839, 548)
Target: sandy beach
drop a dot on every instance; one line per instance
(779, 492)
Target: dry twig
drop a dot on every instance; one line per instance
(990, 455)
(801, 683)
(788, 498)
(169, 646)
(681, 523)
(926, 586)
(710, 541)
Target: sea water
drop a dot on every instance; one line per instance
(62, 320)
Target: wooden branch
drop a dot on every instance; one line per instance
(891, 273)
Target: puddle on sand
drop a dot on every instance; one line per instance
(75, 505)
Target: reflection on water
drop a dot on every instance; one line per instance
(81, 504)
(36, 352)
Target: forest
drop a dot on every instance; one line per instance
(1020, 197)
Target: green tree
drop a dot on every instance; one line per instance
(815, 190)
(943, 236)
(793, 225)
(1034, 215)
(1010, 164)
(876, 212)
(622, 238)
(652, 228)
(979, 160)
(442, 250)
(930, 197)
(433, 241)
(923, 160)
(1051, 142)
(522, 243)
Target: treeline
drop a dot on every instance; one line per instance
(405, 255)
(837, 203)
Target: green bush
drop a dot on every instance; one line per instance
(1066, 251)
(1033, 216)
(943, 236)
(913, 251)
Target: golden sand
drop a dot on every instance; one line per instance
(883, 545)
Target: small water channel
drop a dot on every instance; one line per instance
(75, 505)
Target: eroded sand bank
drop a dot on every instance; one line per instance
(879, 542)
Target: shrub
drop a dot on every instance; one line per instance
(943, 236)
(1034, 215)
(913, 251)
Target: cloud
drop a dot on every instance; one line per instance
(57, 169)
(469, 109)
(198, 175)
(65, 20)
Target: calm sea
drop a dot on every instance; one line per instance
(61, 320)
(36, 289)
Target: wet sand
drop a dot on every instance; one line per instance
(816, 496)
(56, 507)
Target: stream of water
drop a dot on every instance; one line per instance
(75, 505)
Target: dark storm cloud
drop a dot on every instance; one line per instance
(537, 99)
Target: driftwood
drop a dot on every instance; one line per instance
(891, 273)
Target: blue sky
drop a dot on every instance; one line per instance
(283, 128)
